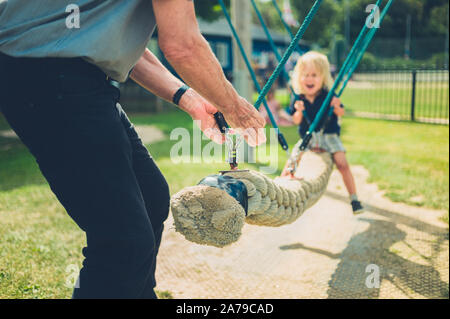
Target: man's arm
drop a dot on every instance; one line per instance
(189, 53)
(152, 75)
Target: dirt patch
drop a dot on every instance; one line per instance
(8, 134)
(149, 134)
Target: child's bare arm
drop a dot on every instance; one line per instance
(297, 117)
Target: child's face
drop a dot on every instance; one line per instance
(311, 81)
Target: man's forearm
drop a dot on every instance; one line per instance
(200, 69)
(152, 75)
(189, 53)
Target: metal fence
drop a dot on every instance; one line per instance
(400, 94)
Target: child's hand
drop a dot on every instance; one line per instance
(335, 102)
(338, 110)
(299, 106)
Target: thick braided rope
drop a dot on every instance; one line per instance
(209, 216)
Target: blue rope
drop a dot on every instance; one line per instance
(288, 29)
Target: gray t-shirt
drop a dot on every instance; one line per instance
(112, 34)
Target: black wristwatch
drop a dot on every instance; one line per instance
(178, 94)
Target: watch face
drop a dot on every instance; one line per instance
(234, 187)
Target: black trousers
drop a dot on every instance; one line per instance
(67, 113)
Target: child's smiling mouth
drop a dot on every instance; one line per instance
(310, 86)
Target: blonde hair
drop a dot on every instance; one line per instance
(320, 62)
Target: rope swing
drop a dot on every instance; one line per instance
(214, 211)
(211, 216)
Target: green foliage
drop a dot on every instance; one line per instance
(428, 18)
(325, 23)
(209, 10)
(270, 16)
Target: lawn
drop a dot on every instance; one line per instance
(39, 243)
(431, 102)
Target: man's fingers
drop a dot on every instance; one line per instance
(254, 137)
(261, 136)
(215, 135)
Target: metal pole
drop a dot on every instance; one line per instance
(413, 95)
(241, 18)
(446, 40)
(408, 38)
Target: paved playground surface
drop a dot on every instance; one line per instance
(324, 254)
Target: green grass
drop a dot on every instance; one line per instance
(39, 241)
(409, 160)
(391, 100)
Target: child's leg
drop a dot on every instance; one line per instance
(342, 165)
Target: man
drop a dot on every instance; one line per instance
(55, 93)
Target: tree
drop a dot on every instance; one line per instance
(325, 22)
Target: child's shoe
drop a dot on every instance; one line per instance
(357, 207)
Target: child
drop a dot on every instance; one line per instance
(311, 79)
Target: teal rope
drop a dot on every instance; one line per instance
(271, 42)
(336, 84)
(266, 31)
(288, 52)
(242, 50)
(366, 44)
(247, 62)
(288, 29)
(353, 54)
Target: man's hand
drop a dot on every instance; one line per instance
(201, 110)
(246, 120)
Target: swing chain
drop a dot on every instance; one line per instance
(232, 142)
